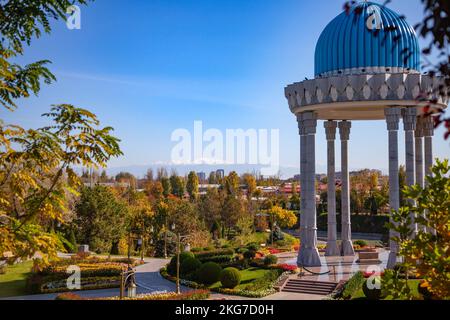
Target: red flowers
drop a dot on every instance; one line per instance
(285, 267)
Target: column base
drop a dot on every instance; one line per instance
(347, 248)
(392, 260)
(309, 257)
(332, 249)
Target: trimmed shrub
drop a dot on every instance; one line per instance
(186, 254)
(218, 252)
(250, 254)
(230, 278)
(270, 259)
(209, 273)
(241, 250)
(372, 294)
(172, 267)
(360, 223)
(189, 265)
(361, 243)
(217, 259)
(253, 246)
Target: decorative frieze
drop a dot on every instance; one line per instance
(365, 87)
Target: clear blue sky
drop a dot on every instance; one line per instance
(147, 67)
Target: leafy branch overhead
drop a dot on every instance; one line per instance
(20, 22)
(37, 174)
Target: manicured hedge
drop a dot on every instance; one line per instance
(360, 223)
(270, 259)
(216, 259)
(220, 252)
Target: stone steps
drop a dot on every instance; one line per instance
(309, 287)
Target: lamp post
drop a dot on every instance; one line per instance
(273, 225)
(165, 239)
(179, 239)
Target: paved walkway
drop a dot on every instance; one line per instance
(149, 280)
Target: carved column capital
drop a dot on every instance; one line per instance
(330, 130)
(393, 118)
(310, 122)
(301, 126)
(344, 130)
(419, 127)
(410, 119)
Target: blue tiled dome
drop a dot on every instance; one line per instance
(369, 38)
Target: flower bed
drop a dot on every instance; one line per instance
(96, 273)
(285, 267)
(190, 295)
(236, 292)
(86, 284)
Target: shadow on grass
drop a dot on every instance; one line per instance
(13, 288)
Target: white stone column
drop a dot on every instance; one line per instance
(428, 132)
(332, 247)
(393, 118)
(303, 215)
(409, 123)
(419, 155)
(309, 255)
(346, 231)
(419, 152)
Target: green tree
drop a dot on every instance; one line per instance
(232, 183)
(192, 185)
(231, 211)
(167, 188)
(212, 178)
(101, 218)
(209, 207)
(178, 186)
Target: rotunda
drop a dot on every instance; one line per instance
(367, 67)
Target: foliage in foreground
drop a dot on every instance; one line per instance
(36, 165)
(427, 254)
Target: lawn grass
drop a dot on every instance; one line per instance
(13, 282)
(413, 284)
(247, 276)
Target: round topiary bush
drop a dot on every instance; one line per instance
(184, 255)
(250, 254)
(209, 273)
(253, 246)
(270, 259)
(374, 293)
(172, 267)
(189, 265)
(230, 278)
